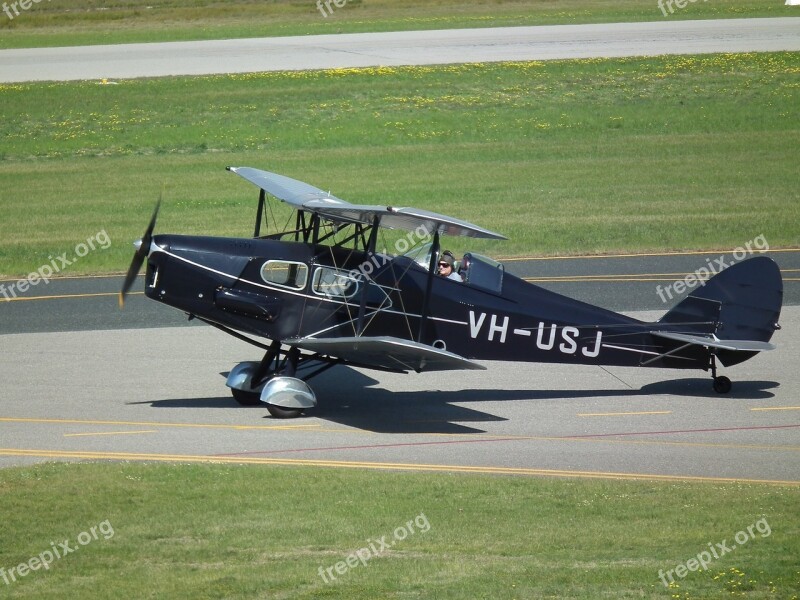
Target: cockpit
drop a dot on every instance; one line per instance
(475, 269)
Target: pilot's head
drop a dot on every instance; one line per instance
(446, 264)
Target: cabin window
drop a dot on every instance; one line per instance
(285, 273)
(334, 283)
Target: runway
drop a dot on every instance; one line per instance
(400, 48)
(120, 391)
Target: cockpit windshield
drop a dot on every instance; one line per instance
(421, 254)
(475, 269)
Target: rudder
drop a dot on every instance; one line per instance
(743, 302)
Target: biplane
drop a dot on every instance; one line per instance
(319, 293)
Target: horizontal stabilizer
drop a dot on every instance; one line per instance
(712, 341)
(386, 353)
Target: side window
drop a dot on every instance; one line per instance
(285, 273)
(334, 283)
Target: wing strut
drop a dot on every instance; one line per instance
(431, 274)
(262, 196)
(362, 308)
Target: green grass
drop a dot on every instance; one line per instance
(564, 157)
(63, 23)
(182, 531)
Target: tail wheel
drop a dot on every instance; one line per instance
(722, 385)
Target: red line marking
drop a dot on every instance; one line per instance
(370, 446)
(679, 431)
(515, 439)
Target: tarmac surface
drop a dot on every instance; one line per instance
(400, 48)
(84, 380)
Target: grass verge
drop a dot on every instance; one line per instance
(62, 23)
(188, 531)
(563, 157)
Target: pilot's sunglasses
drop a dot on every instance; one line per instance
(443, 264)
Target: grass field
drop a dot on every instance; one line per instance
(180, 531)
(67, 23)
(562, 157)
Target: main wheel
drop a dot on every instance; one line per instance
(722, 385)
(280, 412)
(246, 398)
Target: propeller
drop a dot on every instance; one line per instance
(142, 250)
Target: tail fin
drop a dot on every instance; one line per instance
(743, 302)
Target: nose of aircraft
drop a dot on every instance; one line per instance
(142, 250)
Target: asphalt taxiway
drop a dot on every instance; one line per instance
(109, 388)
(661, 36)
(85, 381)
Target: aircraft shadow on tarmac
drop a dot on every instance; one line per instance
(347, 397)
(701, 388)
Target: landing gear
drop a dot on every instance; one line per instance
(284, 413)
(246, 398)
(722, 385)
(274, 381)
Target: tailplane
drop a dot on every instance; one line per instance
(736, 311)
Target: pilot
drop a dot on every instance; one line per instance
(446, 263)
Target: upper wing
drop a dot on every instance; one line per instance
(712, 341)
(291, 191)
(386, 352)
(307, 197)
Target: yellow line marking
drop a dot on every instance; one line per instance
(487, 437)
(621, 278)
(632, 277)
(621, 414)
(63, 296)
(108, 433)
(507, 259)
(155, 424)
(376, 466)
(564, 278)
(685, 253)
(635, 275)
(503, 259)
(598, 279)
(648, 442)
(59, 277)
(777, 408)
